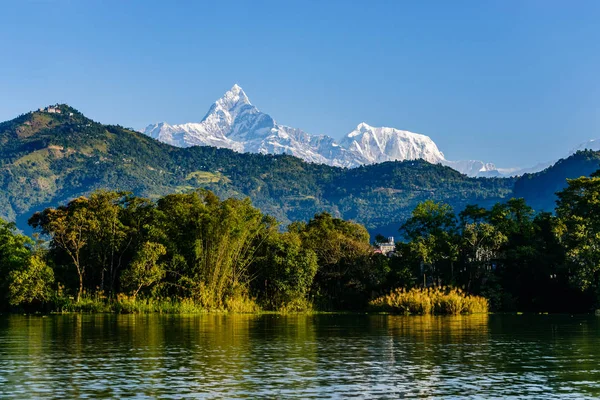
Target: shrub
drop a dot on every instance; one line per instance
(433, 300)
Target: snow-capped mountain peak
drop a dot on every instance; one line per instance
(388, 144)
(233, 99)
(233, 122)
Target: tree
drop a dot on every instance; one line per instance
(15, 254)
(284, 272)
(344, 256)
(32, 283)
(69, 227)
(145, 270)
(481, 243)
(210, 243)
(432, 235)
(107, 238)
(578, 211)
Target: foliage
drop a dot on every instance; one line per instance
(432, 300)
(15, 256)
(539, 188)
(433, 238)
(31, 284)
(210, 244)
(145, 270)
(284, 273)
(345, 273)
(578, 213)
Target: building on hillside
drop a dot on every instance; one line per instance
(388, 248)
(51, 110)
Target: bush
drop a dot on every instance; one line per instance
(433, 300)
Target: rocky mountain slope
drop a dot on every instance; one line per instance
(234, 123)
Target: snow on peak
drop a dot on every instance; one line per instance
(231, 102)
(379, 144)
(233, 122)
(234, 96)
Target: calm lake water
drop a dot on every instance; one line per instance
(321, 356)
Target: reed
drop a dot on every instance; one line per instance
(442, 300)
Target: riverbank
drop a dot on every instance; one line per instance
(429, 301)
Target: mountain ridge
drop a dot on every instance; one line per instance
(47, 159)
(233, 122)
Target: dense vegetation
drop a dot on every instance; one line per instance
(431, 300)
(162, 241)
(184, 250)
(539, 189)
(49, 159)
(193, 251)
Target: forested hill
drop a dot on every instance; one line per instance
(539, 188)
(47, 159)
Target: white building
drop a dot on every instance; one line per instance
(387, 247)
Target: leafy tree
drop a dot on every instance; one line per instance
(145, 269)
(15, 254)
(481, 243)
(433, 237)
(107, 236)
(344, 256)
(32, 283)
(285, 272)
(70, 228)
(211, 243)
(578, 211)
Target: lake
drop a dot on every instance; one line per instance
(303, 356)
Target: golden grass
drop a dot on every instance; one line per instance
(433, 300)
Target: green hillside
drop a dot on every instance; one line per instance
(539, 189)
(46, 159)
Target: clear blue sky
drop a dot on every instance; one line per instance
(511, 82)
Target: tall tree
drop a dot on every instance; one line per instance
(284, 272)
(15, 255)
(344, 256)
(433, 237)
(145, 269)
(578, 211)
(32, 283)
(69, 227)
(481, 243)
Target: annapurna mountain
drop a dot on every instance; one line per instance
(233, 122)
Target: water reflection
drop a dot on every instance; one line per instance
(216, 356)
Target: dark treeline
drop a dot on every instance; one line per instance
(187, 252)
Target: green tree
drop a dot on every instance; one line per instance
(145, 269)
(69, 227)
(32, 283)
(15, 253)
(284, 273)
(481, 243)
(345, 257)
(578, 211)
(210, 243)
(433, 237)
(107, 237)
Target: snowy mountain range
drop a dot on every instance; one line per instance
(234, 123)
